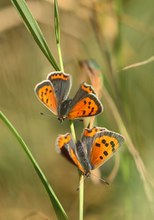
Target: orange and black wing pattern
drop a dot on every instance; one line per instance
(88, 135)
(104, 145)
(85, 103)
(46, 94)
(66, 146)
(53, 91)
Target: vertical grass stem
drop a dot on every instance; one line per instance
(81, 196)
(60, 57)
(57, 35)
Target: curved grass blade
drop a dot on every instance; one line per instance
(53, 198)
(35, 30)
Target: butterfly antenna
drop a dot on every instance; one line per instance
(101, 180)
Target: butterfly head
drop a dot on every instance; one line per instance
(63, 109)
(87, 174)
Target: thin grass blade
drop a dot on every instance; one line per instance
(53, 198)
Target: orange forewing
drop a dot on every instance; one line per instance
(102, 149)
(88, 106)
(68, 153)
(45, 93)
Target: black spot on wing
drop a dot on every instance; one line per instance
(103, 141)
(105, 153)
(112, 145)
(106, 144)
(92, 110)
(97, 144)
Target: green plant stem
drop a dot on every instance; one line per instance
(54, 200)
(72, 130)
(57, 35)
(81, 182)
(81, 196)
(60, 57)
(81, 179)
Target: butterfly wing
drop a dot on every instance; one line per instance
(104, 145)
(62, 83)
(45, 93)
(88, 135)
(85, 103)
(66, 146)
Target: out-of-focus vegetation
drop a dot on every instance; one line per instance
(115, 34)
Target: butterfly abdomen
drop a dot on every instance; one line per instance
(64, 108)
(82, 156)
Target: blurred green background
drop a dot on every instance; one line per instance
(126, 31)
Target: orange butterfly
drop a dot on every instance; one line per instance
(96, 146)
(53, 93)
